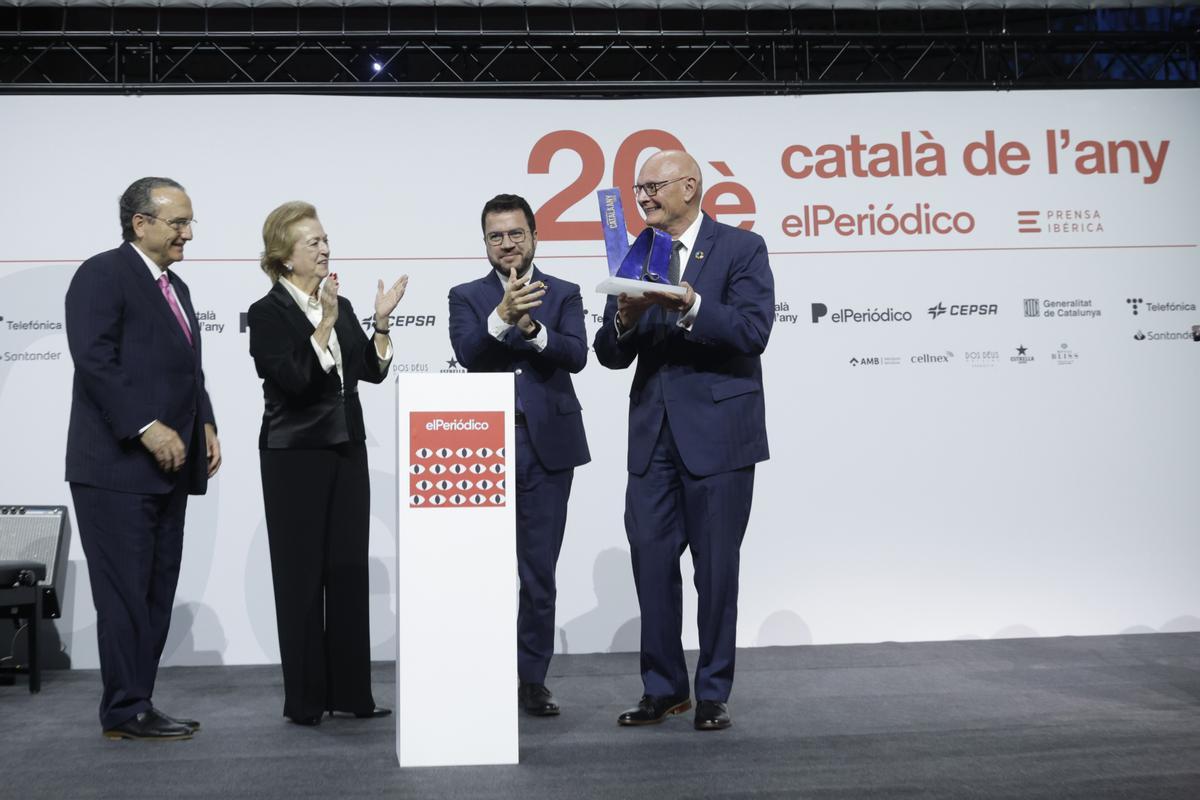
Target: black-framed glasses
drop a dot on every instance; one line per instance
(177, 224)
(496, 238)
(651, 187)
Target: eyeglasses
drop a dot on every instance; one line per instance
(177, 224)
(496, 238)
(651, 187)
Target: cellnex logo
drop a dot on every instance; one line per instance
(932, 358)
(888, 314)
(964, 310)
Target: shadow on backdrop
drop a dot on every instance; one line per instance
(383, 616)
(194, 625)
(614, 625)
(783, 628)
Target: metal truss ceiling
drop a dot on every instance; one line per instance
(588, 53)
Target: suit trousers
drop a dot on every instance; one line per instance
(134, 544)
(669, 510)
(542, 497)
(318, 509)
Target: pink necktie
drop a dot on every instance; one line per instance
(164, 283)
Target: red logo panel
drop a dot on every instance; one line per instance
(457, 459)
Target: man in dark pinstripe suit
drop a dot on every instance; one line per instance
(142, 437)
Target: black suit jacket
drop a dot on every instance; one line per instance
(133, 365)
(305, 406)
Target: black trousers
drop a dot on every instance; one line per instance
(133, 544)
(318, 509)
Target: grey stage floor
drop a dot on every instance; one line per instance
(1093, 717)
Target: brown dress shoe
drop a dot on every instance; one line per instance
(653, 709)
(148, 726)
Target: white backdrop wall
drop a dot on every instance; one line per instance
(1022, 464)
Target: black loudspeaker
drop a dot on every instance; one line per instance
(43, 534)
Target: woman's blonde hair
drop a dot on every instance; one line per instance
(278, 237)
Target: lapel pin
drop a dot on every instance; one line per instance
(699, 255)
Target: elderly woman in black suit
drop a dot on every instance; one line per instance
(311, 354)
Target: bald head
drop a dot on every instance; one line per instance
(676, 204)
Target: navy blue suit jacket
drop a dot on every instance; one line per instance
(133, 365)
(706, 381)
(552, 411)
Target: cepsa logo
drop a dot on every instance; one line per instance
(724, 200)
(964, 310)
(404, 321)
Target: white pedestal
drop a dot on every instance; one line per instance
(456, 620)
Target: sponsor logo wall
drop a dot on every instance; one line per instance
(978, 385)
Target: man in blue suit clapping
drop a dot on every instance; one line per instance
(518, 319)
(697, 427)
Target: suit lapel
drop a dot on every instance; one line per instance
(291, 312)
(700, 251)
(491, 290)
(153, 296)
(542, 312)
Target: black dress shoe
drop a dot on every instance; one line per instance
(148, 726)
(536, 700)
(308, 722)
(712, 715)
(190, 724)
(652, 709)
(375, 713)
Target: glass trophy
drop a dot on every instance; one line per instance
(638, 268)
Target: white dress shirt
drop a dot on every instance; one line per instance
(330, 357)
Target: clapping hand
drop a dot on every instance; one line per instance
(329, 299)
(386, 302)
(520, 296)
